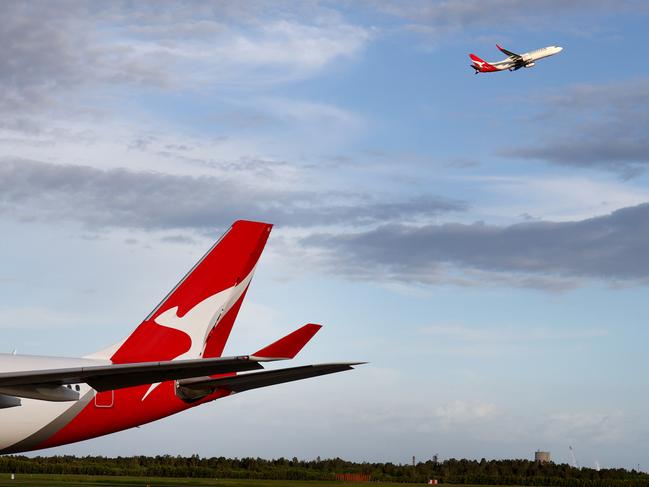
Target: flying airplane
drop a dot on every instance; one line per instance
(514, 61)
(171, 362)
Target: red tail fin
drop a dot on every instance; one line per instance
(196, 317)
(481, 65)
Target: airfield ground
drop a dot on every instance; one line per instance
(99, 481)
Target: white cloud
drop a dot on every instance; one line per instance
(293, 49)
(313, 126)
(267, 53)
(307, 111)
(598, 427)
(556, 198)
(462, 412)
(94, 55)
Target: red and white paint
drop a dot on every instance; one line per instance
(514, 61)
(193, 321)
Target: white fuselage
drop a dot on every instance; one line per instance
(529, 58)
(33, 415)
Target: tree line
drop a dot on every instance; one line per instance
(452, 471)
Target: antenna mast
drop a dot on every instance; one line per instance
(572, 455)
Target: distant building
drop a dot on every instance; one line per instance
(542, 456)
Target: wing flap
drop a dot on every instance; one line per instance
(192, 389)
(118, 376)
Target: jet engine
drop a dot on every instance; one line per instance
(8, 401)
(529, 65)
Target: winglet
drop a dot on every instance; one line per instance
(289, 346)
(500, 48)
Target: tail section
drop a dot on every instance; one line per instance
(195, 319)
(480, 65)
(288, 347)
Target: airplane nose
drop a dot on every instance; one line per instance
(559, 48)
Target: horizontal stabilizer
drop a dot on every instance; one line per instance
(193, 389)
(289, 346)
(117, 376)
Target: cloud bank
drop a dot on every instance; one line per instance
(610, 247)
(593, 126)
(368, 238)
(32, 190)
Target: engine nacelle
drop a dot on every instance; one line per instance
(8, 401)
(529, 65)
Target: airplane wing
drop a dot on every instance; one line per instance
(513, 55)
(117, 376)
(197, 388)
(49, 384)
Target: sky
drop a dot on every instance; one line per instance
(479, 240)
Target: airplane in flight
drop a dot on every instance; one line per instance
(171, 362)
(514, 61)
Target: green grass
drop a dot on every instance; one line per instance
(97, 481)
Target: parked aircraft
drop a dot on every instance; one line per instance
(514, 61)
(171, 362)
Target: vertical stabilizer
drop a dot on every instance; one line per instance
(196, 317)
(480, 65)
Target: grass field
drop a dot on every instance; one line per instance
(86, 480)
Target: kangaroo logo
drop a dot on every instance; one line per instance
(199, 321)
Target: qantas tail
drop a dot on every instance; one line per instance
(195, 319)
(480, 65)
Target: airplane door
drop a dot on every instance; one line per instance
(105, 399)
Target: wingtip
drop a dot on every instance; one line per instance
(343, 364)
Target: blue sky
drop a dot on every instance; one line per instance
(481, 240)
